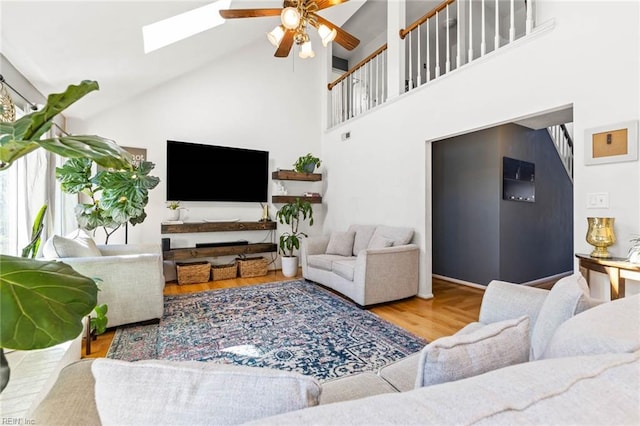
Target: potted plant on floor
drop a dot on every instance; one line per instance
(43, 303)
(291, 214)
(306, 164)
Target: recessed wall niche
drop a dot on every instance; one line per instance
(518, 180)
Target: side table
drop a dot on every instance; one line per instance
(616, 268)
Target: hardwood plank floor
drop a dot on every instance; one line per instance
(452, 307)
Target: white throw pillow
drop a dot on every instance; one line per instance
(456, 357)
(341, 243)
(378, 242)
(568, 297)
(195, 393)
(76, 244)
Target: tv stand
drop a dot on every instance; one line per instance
(228, 250)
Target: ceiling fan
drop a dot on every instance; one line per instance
(295, 15)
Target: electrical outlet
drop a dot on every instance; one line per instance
(598, 200)
(346, 136)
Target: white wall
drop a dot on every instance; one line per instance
(249, 99)
(589, 59)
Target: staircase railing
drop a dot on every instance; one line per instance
(564, 145)
(361, 88)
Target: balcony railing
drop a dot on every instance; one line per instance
(453, 34)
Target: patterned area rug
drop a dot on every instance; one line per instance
(293, 325)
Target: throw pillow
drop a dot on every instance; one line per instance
(76, 244)
(341, 243)
(568, 297)
(194, 393)
(378, 242)
(460, 356)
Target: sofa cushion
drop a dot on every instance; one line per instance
(456, 357)
(402, 373)
(399, 235)
(323, 261)
(363, 236)
(76, 244)
(344, 268)
(341, 243)
(568, 297)
(191, 392)
(593, 390)
(378, 242)
(355, 386)
(610, 327)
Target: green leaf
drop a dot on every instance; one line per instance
(43, 302)
(38, 224)
(103, 151)
(74, 175)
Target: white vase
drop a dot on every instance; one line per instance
(289, 266)
(173, 214)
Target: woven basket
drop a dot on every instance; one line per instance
(190, 273)
(223, 272)
(252, 267)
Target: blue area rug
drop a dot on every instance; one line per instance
(293, 325)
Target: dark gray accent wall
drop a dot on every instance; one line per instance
(478, 236)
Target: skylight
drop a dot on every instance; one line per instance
(178, 27)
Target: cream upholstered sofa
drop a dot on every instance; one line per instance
(535, 357)
(369, 264)
(129, 276)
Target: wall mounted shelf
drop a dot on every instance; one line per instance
(293, 175)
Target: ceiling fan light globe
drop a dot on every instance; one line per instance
(290, 18)
(326, 34)
(275, 36)
(306, 51)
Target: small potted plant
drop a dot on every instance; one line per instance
(174, 210)
(291, 214)
(306, 164)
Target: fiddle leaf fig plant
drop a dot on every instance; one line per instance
(115, 196)
(290, 214)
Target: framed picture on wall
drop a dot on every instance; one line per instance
(612, 143)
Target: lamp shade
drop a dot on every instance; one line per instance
(326, 34)
(306, 50)
(275, 35)
(290, 18)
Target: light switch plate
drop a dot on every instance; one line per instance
(598, 200)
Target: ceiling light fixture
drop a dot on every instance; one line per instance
(295, 18)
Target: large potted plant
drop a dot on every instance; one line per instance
(115, 196)
(291, 214)
(43, 303)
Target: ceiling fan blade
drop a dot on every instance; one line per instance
(343, 38)
(249, 13)
(323, 4)
(285, 45)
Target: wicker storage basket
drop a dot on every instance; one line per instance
(252, 267)
(223, 272)
(196, 272)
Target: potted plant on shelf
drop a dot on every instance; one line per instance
(291, 214)
(174, 210)
(306, 164)
(44, 302)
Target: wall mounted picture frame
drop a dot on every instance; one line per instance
(613, 143)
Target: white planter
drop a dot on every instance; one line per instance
(173, 214)
(289, 266)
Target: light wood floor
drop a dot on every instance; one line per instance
(452, 307)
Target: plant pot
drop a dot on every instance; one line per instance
(173, 214)
(289, 266)
(309, 168)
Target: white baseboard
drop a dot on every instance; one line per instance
(480, 286)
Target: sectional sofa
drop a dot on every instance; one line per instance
(534, 357)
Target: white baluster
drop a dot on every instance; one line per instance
(512, 27)
(437, 45)
(470, 32)
(483, 43)
(410, 83)
(497, 27)
(529, 6)
(428, 53)
(458, 44)
(419, 62)
(448, 62)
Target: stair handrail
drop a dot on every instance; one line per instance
(567, 135)
(357, 66)
(425, 18)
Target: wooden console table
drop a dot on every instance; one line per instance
(616, 268)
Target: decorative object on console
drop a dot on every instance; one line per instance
(600, 235)
(634, 251)
(174, 210)
(26, 324)
(306, 163)
(289, 241)
(295, 15)
(117, 196)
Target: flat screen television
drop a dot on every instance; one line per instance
(199, 172)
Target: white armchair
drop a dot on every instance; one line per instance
(130, 279)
